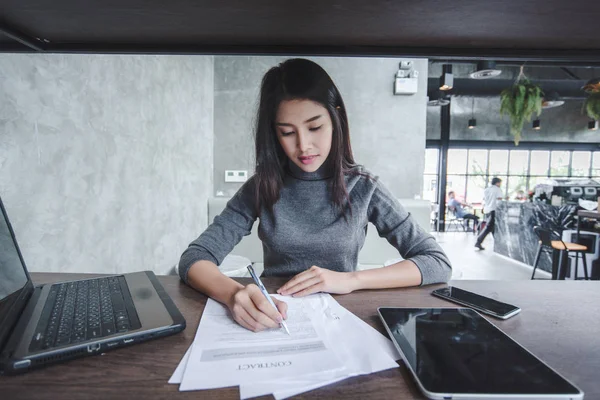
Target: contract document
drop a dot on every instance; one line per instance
(227, 354)
(327, 344)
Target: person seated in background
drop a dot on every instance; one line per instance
(459, 211)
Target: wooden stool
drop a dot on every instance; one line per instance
(577, 249)
(547, 244)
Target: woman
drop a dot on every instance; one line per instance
(314, 203)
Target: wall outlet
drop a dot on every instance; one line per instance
(403, 73)
(236, 176)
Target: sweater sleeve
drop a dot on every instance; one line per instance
(226, 231)
(400, 229)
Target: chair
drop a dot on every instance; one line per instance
(454, 220)
(551, 241)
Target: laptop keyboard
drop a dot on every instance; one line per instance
(84, 310)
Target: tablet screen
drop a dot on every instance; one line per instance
(455, 350)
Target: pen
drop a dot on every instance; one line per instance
(264, 291)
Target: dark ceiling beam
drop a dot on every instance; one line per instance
(567, 89)
(502, 145)
(14, 47)
(32, 43)
(568, 72)
(568, 57)
(548, 63)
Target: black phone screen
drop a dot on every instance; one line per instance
(476, 300)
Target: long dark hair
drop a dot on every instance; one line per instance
(299, 79)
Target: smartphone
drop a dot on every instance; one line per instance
(478, 302)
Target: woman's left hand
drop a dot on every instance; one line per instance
(317, 279)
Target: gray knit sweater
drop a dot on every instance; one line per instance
(304, 228)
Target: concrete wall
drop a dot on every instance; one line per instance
(105, 161)
(387, 131)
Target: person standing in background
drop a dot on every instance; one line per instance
(457, 206)
(491, 195)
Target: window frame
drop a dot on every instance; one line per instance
(489, 146)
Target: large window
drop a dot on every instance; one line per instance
(430, 180)
(456, 180)
(559, 163)
(596, 164)
(517, 177)
(540, 163)
(580, 164)
(471, 170)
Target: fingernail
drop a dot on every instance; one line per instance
(279, 319)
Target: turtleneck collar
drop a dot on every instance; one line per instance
(320, 174)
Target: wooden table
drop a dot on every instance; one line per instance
(560, 323)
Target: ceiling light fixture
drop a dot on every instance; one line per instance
(485, 69)
(447, 79)
(552, 100)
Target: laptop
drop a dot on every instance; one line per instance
(47, 324)
(455, 353)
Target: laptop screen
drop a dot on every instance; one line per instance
(13, 275)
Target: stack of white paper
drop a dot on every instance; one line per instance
(327, 344)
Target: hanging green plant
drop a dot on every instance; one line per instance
(592, 106)
(520, 102)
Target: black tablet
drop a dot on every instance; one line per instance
(455, 353)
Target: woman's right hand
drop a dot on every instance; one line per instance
(253, 311)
